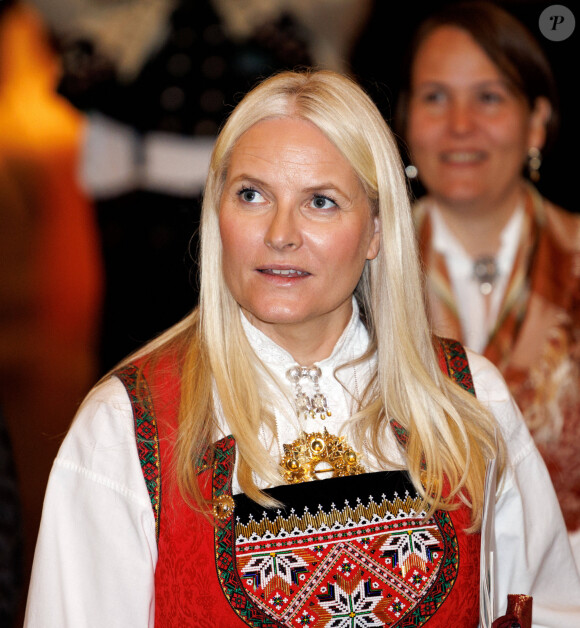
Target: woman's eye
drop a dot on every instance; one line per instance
(322, 202)
(249, 195)
(490, 97)
(433, 97)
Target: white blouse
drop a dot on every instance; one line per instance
(476, 321)
(96, 552)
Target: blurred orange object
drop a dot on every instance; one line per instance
(50, 263)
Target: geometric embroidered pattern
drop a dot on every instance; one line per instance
(146, 435)
(311, 521)
(370, 572)
(360, 563)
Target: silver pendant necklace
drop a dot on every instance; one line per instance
(308, 406)
(485, 270)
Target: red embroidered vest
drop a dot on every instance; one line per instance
(344, 552)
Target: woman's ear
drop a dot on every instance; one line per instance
(375, 243)
(540, 115)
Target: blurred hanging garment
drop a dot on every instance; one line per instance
(50, 273)
(128, 32)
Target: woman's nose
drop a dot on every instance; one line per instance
(283, 230)
(461, 118)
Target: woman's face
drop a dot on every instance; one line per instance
(468, 132)
(296, 229)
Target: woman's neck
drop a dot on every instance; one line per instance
(478, 227)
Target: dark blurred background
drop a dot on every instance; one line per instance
(108, 110)
(185, 87)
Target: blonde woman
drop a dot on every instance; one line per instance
(299, 450)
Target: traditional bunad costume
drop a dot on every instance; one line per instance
(349, 550)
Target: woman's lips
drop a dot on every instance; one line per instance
(463, 157)
(284, 272)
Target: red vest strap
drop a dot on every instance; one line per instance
(453, 362)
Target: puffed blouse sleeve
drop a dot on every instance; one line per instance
(532, 550)
(96, 552)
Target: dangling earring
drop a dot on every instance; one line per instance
(411, 171)
(534, 163)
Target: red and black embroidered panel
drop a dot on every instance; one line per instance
(352, 552)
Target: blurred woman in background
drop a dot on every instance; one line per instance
(502, 262)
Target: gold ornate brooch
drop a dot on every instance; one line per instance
(317, 456)
(223, 507)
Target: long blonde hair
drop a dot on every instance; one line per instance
(450, 435)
